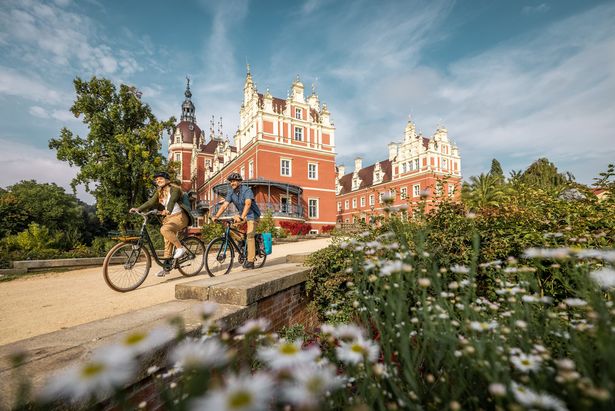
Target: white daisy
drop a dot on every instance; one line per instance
(287, 354)
(244, 392)
(140, 342)
(106, 370)
(357, 351)
(258, 326)
(605, 278)
(310, 385)
(575, 302)
(526, 362)
(483, 326)
(348, 332)
(460, 269)
(523, 395)
(192, 353)
(207, 309)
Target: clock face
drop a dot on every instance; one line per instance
(190, 127)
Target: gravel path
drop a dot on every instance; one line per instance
(49, 302)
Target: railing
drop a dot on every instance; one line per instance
(277, 209)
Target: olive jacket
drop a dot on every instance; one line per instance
(176, 194)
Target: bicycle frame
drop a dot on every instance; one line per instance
(228, 238)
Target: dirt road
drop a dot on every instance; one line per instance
(49, 302)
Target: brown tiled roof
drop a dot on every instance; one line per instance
(184, 128)
(279, 104)
(426, 142)
(210, 147)
(366, 175)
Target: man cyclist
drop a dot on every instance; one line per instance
(243, 199)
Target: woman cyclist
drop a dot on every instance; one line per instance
(167, 198)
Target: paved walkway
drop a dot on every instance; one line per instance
(49, 302)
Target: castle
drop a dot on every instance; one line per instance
(285, 151)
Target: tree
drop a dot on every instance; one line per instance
(117, 159)
(47, 204)
(483, 190)
(13, 218)
(543, 174)
(607, 181)
(496, 171)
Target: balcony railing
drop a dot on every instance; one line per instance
(277, 210)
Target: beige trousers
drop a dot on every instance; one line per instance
(171, 225)
(250, 227)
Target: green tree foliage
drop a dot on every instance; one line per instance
(13, 218)
(543, 174)
(606, 180)
(496, 171)
(35, 238)
(47, 204)
(121, 151)
(482, 191)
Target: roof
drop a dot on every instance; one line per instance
(279, 104)
(366, 175)
(187, 133)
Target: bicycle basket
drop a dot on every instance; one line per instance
(127, 235)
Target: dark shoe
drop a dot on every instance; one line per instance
(248, 265)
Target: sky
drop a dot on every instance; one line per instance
(512, 80)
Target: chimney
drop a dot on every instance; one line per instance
(341, 170)
(358, 164)
(392, 151)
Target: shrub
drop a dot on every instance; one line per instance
(296, 227)
(327, 228)
(210, 231)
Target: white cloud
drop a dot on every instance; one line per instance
(539, 8)
(38, 111)
(23, 162)
(547, 94)
(13, 83)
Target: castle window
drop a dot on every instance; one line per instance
(346, 204)
(243, 172)
(362, 201)
(313, 171)
(416, 190)
(354, 203)
(339, 206)
(416, 164)
(285, 167)
(298, 133)
(298, 113)
(451, 189)
(403, 193)
(251, 169)
(371, 200)
(444, 164)
(403, 168)
(178, 157)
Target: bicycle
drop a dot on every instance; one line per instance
(220, 253)
(127, 264)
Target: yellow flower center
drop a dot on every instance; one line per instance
(525, 362)
(357, 348)
(314, 385)
(239, 399)
(288, 349)
(134, 339)
(92, 369)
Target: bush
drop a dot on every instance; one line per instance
(295, 227)
(327, 228)
(266, 223)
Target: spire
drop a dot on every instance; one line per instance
(187, 105)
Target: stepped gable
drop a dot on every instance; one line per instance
(366, 175)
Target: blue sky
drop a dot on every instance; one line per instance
(514, 80)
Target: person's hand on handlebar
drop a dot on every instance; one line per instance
(238, 219)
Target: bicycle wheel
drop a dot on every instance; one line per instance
(259, 259)
(192, 262)
(126, 266)
(219, 257)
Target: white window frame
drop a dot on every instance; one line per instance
(354, 202)
(298, 133)
(282, 168)
(444, 164)
(298, 113)
(178, 157)
(251, 169)
(362, 202)
(416, 190)
(242, 172)
(417, 164)
(346, 204)
(380, 194)
(339, 206)
(371, 200)
(403, 168)
(315, 174)
(315, 202)
(451, 189)
(207, 163)
(403, 193)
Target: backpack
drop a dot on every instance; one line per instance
(185, 199)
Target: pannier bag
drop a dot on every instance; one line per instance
(267, 242)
